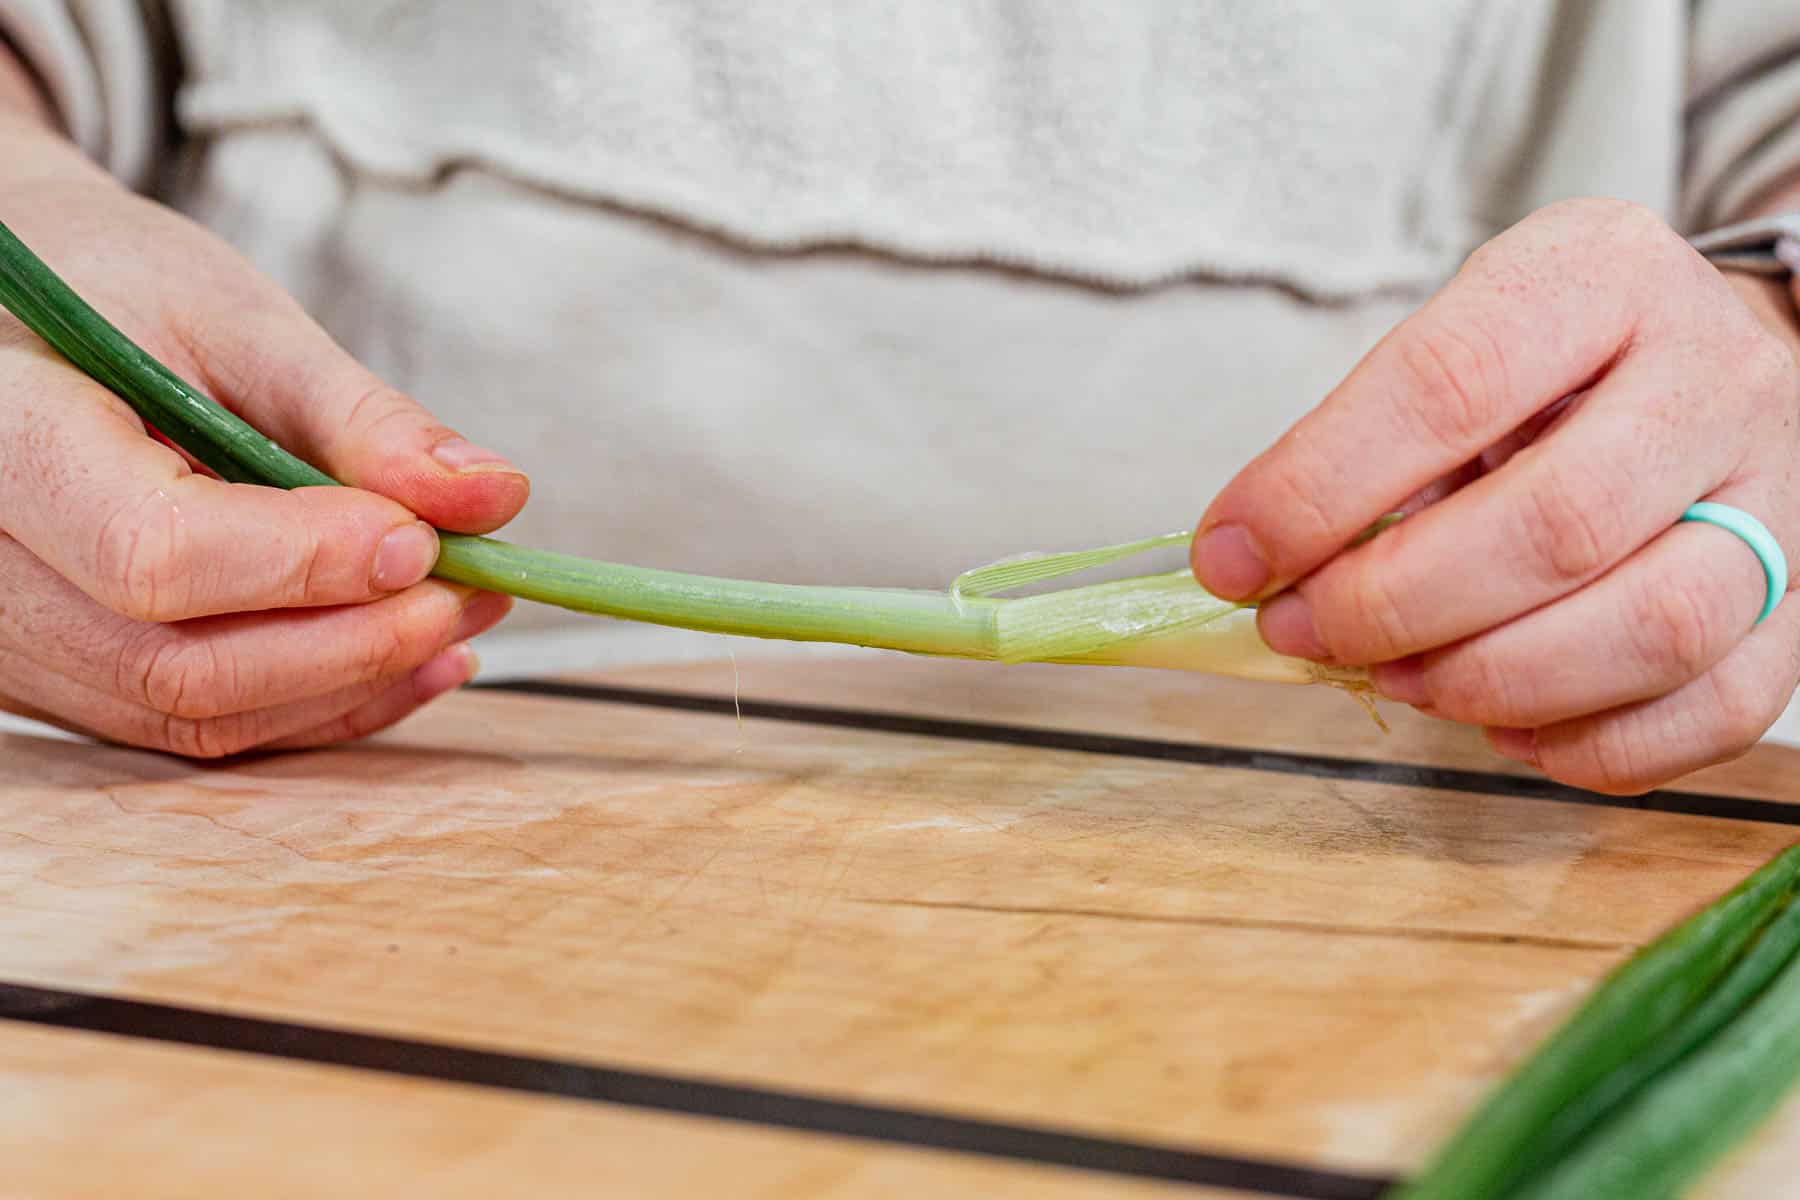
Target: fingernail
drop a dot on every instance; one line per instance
(1228, 564)
(1520, 745)
(460, 454)
(1402, 680)
(406, 555)
(1286, 623)
(484, 612)
(448, 671)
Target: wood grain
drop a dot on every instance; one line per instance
(1240, 961)
(1156, 704)
(188, 1123)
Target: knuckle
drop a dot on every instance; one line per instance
(1304, 497)
(1743, 708)
(344, 729)
(1380, 627)
(1632, 753)
(1458, 373)
(1570, 531)
(376, 407)
(1590, 208)
(1630, 221)
(141, 560)
(360, 722)
(1473, 685)
(1596, 229)
(387, 651)
(170, 670)
(310, 570)
(182, 676)
(202, 738)
(1613, 230)
(1675, 625)
(1770, 371)
(1618, 763)
(132, 664)
(353, 727)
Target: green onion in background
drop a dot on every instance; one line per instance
(1667, 1136)
(1676, 1055)
(1163, 620)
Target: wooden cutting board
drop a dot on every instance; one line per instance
(903, 928)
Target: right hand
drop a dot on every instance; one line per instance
(149, 603)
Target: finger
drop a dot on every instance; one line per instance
(82, 709)
(1715, 718)
(279, 370)
(1663, 618)
(1536, 314)
(215, 666)
(124, 519)
(225, 665)
(443, 674)
(1617, 470)
(21, 708)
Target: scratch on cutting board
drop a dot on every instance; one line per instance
(136, 869)
(1399, 932)
(958, 824)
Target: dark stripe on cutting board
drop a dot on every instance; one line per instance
(686, 1095)
(1207, 754)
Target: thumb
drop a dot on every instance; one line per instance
(275, 367)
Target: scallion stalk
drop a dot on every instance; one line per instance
(1164, 620)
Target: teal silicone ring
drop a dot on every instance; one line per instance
(1755, 535)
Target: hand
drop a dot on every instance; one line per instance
(149, 603)
(1545, 420)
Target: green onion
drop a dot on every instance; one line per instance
(1629, 1041)
(1667, 1135)
(1772, 952)
(1163, 620)
(1671, 1132)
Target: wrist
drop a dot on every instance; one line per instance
(1772, 294)
(1775, 302)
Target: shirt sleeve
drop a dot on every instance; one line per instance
(1743, 107)
(98, 61)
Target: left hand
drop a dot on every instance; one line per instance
(1545, 420)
